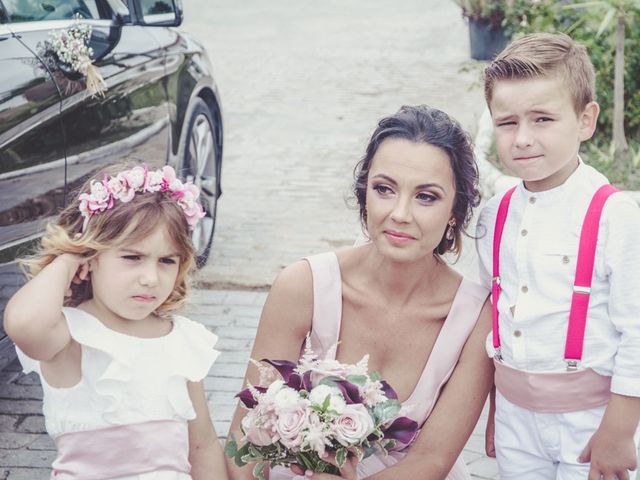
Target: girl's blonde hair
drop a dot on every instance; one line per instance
(124, 223)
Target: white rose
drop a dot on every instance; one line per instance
(354, 425)
(286, 398)
(318, 395)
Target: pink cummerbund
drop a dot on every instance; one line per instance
(122, 450)
(551, 392)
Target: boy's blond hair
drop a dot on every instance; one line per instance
(545, 55)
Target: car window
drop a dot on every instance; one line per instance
(43, 10)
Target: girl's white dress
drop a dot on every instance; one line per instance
(128, 380)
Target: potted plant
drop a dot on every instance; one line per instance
(486, 26)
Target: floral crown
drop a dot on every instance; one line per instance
(124, 186)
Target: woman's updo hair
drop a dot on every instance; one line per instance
(424, 124)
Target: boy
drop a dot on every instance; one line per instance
(568, 395)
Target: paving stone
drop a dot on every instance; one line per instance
(32, 424)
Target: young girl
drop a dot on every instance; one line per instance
(122, 375)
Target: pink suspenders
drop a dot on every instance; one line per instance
(583, 277)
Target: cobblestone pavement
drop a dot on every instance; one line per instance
(303, 84)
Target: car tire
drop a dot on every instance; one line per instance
(200, 163)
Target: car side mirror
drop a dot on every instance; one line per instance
(166, 13)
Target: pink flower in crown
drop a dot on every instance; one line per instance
(120, 189)
(155, 181)
(135, 177)
(172, 183)
(99, 200)
(187, 198)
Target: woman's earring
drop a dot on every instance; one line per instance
(451, 234)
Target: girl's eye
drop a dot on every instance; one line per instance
(505, 124)
(426, 197)
(543, 119)
(168, 261)
(382, 189)
(131, 257)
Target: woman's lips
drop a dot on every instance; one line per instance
(398, 237)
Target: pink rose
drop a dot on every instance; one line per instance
(256, 431)
(354, 425)
(291, 423)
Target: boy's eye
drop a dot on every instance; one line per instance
(131, 257)
(505, 124)
(382, 189)
(168, 261)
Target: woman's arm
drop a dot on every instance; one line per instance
(205, 451)
(455, 414)
(33, 317)
(284, 323)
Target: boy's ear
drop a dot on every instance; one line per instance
(588, 119)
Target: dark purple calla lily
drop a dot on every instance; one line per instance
(389, 392)
(284, 367)
(306, 381)
(402, 429)
(246, 396)
(350, 391)
(295, 382)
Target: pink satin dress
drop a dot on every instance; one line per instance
(327, 317)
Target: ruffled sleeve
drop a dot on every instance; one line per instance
(28, 364)
(191, 359)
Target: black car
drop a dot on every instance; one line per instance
(161, 107)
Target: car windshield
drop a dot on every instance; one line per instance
(42, 10)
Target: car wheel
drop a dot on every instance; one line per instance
(201, 165)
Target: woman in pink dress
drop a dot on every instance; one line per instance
(396, 298)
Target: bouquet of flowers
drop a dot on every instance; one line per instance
(68, 50)
(316, 407)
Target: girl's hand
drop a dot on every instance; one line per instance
(78, 267)
(348, 470)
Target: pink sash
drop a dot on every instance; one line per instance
(122, 450)
(577, 389)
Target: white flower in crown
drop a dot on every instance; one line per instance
(155, 181)
(99, 199)
(135, 177)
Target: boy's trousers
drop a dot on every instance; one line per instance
(544, 446)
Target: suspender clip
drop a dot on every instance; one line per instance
(496, 280)
(497, 354)
(572, 365)
(582, 289)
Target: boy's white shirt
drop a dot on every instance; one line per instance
(537, 269)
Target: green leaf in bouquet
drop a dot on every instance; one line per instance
(359, 380)
(341, 457)
(326, 403)
(231, 447)
(375, 376)
(258, 471)
(388, 445)
(241, 453)
(330, 381)
(358, 452)
(370, 450)
(386, 410)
